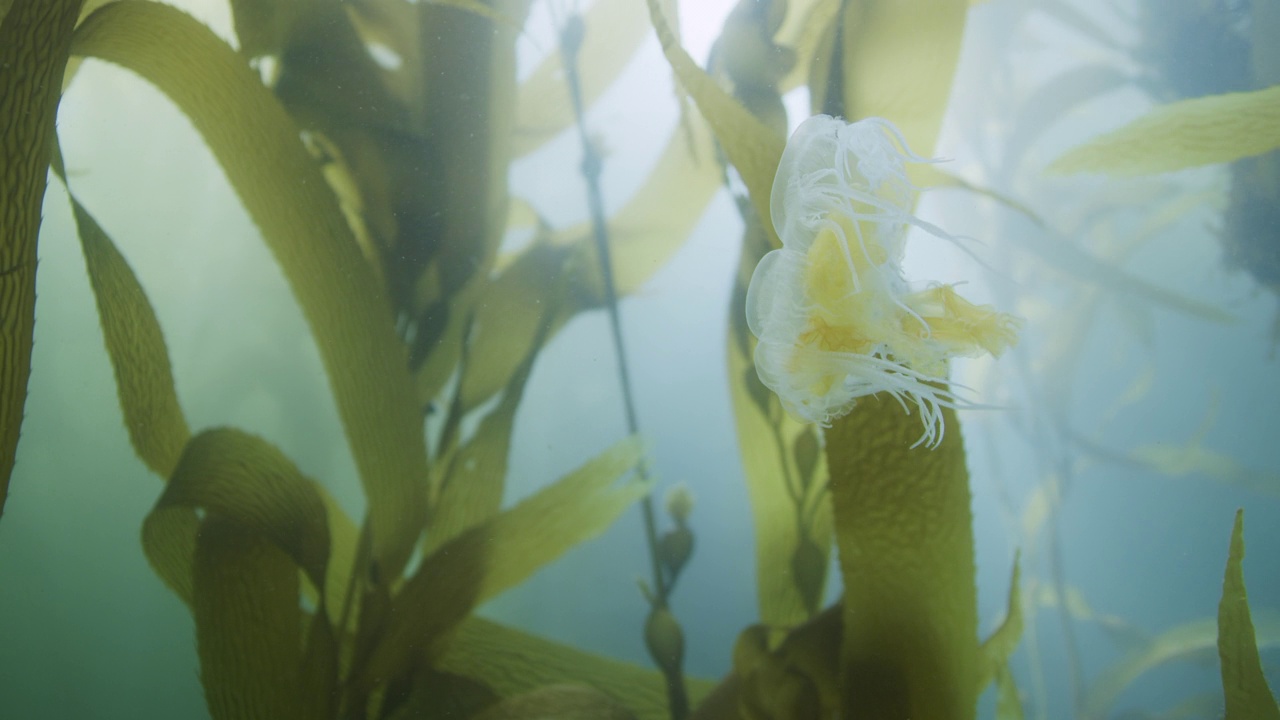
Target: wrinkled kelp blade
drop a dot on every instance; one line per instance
(562, 702)
(904, 530)
(752, 149)
(34, 39)
(148, 399)
(500, 554)
(898, 59)
(248, 489)
(1243, 684)
(511, 662)
(1188, 133)
(135, 344)
(248, 625)
(258, 147)
(245, 478)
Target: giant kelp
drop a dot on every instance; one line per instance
(385, 210)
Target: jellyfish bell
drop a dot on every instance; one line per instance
(831, 309)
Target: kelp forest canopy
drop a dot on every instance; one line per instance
(758, 360)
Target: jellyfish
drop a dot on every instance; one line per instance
(834, 317)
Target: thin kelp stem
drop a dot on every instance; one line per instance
(571, 37)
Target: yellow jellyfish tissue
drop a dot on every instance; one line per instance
(834, 315)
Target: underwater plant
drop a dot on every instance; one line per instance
(385, 206)
(831, 308)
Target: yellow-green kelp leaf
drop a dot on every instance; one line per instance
(904, 530)
(897, 62)
(1183, 134)
(284, 191)
(248, 625)
(511, 662)
(614, 30)
(1008, 702)
(1195, 640)
(144, 382)
(237, 475)
(35, 36)
(135, 344)
(1245, 687)
(562, 702)
(799, 679)
(499, 554)
(997, 648)
(474, 476)
(264, 517)
(752, 149)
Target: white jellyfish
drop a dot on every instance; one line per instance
(832, 312)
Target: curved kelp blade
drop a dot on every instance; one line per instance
(904, 530)
(752, 148)
(1184, 134)
(248, 625)
(135, 344)
(263, 522)
(897, 61)
(646, 231)
(614, 31)
(35, 36)
(1192, 641)
(282, 188)
(472, 484)
(511, 662)
(499, 554)
(144, 383)
(1051, 102)
(1243, 684)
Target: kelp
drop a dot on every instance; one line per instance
(257, 145)
(1243, 684)
(235, 507)
(1183, 134)
(905, 533)
(302, 612)
(34, 41)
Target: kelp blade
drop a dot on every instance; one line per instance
(751, 147)
(499, 554)
(35, 37)
(904, 530)
(1244, 685)
(511, 662)
(263, 521)
(258, 146)
(1184, 134)
(897, 62)
(135, 344)
(248, 625)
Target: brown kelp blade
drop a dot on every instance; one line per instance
(35, 37)
(1243, 684)
(282, 187)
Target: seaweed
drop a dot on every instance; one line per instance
(370, 142)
